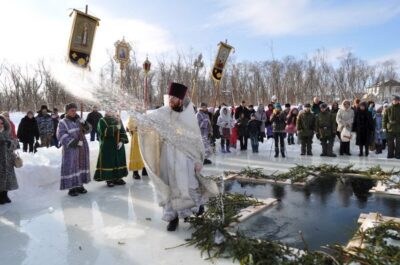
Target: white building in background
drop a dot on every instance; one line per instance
(384, 90)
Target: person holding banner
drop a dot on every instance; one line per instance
(75, 165)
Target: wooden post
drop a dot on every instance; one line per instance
(194, 88)
(217, 98)
(145, 91)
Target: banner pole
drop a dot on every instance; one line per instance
(217, 95)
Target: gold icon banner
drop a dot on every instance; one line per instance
(82, 38)
(220, 60)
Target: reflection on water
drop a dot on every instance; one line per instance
(326, 212)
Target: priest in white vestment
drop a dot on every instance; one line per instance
(173, 154)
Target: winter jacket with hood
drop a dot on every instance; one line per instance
(225, 120)
(261, 116)
(345, 118)
(8, 180)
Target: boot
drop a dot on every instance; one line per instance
(73, 192)
(330, 152)
(324, 152)
(341, 152)
(2, 197)
(223, 148)
(119, 182)
(303, 148)
(207, 162)
(347, 146)
(378, 149)
(173, 225)
(81, 190)
(361, 151)
(110, 183)
(366, 150)
(276, 153)
(227, 149)
(144, 172)
(283, 153)
(136, 175)
(6, 199)
(309, 147)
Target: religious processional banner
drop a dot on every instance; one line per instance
(221, 59)
(82, 37)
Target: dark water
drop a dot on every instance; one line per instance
(326, 212)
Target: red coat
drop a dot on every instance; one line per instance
(13, 132)
(234, 137)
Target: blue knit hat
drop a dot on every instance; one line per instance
(278, 106)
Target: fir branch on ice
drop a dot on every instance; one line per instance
(300, 173)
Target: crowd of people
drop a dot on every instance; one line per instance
(174, 166)
(374, 128)
(68, 131)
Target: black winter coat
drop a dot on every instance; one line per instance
(364, 127)
(254, 128)
(242, 127)
(215, 127)
(28, 130)
(239, 110)
(93, 118)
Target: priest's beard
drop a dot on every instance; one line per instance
(176, 107)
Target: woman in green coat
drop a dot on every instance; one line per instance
(111, 164)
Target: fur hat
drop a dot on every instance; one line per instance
(43, 107)
(70, 106)
(324, 106)
(177, 90)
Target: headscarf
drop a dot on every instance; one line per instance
(343, 102)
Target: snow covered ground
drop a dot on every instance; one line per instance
(120, 225)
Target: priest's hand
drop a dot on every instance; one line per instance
(120, 144)
(198, 167)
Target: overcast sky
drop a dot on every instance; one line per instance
(258, 29)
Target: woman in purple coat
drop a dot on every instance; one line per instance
(75, 167)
